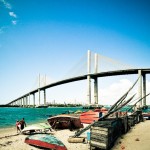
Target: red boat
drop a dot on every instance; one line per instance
(65, 122)
(91, 116)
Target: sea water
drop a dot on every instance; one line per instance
(9, 115)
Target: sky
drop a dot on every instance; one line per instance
(49, 37)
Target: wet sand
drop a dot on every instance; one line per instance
(136, 139)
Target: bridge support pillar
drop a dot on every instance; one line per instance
(26, 101)
(20, 102)
(96, 90)
(144, 89)
(89, 89)
(34, 100)
(140, 87)
(96, 80)
(44, 97)
(29, 100)
(89, 77)
(39, 96)
(23, 101)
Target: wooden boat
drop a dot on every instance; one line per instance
(65, 122)
(45, 141)
(37, 128)
(146, 115)
(91, 116)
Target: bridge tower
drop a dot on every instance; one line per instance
(88, 76)
(96, 79)
(142, 88)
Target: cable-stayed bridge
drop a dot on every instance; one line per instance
(91, 67)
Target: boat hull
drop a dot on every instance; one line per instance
(146, 116)
(37, 128)
(65, 122)
(45, 141)
(89, 117)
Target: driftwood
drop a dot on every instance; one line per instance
(76, 140)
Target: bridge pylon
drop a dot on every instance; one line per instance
(89, 78)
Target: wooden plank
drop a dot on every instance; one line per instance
(95, 131)
(99, 128)
(99, 138)
(98, 144)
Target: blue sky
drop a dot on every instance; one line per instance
(50, 36)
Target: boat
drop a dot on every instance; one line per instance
(45, 141)
(146, 115)
(92, 115)
(65, 121)
(41, 106)
(89, 117)
(37, 128)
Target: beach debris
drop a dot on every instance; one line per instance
(8, 142)
(137, 139)
(2, 145)
(8, 136)
(76, 140)
(122, 147)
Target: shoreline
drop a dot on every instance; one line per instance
(136, 138)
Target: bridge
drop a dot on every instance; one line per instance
(24, 100)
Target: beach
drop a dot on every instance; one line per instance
(137, 138)
(10, 139)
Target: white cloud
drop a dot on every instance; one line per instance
(14, 22)
(12, 14)
(6, 4)
(112, 93)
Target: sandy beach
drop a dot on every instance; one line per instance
(10, 139)
(136, 139)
